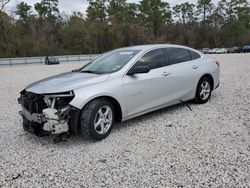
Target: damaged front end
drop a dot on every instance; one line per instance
(48, 113)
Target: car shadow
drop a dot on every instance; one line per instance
(152, 115)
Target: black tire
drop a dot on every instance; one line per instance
(88, 116)
(201, 99)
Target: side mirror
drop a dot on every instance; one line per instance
(138, 70)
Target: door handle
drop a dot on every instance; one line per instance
(165, 73)
(195, 67)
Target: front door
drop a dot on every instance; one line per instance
(147, 91)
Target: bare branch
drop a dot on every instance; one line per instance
(3, 3)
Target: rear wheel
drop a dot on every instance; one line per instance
(97, 119)
(204, 90)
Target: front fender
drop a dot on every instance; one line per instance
(87, 94)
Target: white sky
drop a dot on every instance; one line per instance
(69, 6)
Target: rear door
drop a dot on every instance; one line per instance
(144, 92)
(185, 71)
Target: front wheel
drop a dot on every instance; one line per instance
(204, 90)
(97, 119)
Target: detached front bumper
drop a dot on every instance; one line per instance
(34, 123)
(40, 118)
(32, 117)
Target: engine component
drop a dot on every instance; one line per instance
(54, 124)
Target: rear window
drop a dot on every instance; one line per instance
(194, 55)
(178, 55)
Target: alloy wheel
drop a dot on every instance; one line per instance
(103, 120)
(205, 90)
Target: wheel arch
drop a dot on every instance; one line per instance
(115, 103)
(74, 123)
(210, 77)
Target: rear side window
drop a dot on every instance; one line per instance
(194, 55)
(178, 55)
(154, 59)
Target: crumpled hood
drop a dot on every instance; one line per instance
(65, 82)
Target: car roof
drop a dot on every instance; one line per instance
(150, 46)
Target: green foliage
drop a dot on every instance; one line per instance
(204, 7)
(155, 14)
(184, 12)
(47, 9)
(97, 10)
(109, 24)
(23, 10)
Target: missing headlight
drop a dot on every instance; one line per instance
(57, 113)
(58, 100)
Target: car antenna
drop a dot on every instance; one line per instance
(184, 102)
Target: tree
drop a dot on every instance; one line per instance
(239, 9)
(97, 36)
(204, 7)
(23, 10)
(117, 10)
(118, 25)
(47, 27)
(5, 26)
(134, 30)
(184, 12)
(97, 10)
(47, 9)
(74, 35)
(3, 3)
(112, 24)
(155, 14)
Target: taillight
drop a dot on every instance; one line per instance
(217, 63)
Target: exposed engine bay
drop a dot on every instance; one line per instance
(46, 113)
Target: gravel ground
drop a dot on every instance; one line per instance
(173, 147)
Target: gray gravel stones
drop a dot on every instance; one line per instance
(173, 147)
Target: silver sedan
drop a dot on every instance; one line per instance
(117, 86)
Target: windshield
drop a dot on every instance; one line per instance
(110, 62)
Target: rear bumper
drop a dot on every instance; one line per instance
(216, 77)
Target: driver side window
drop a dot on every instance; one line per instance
(154, 59)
